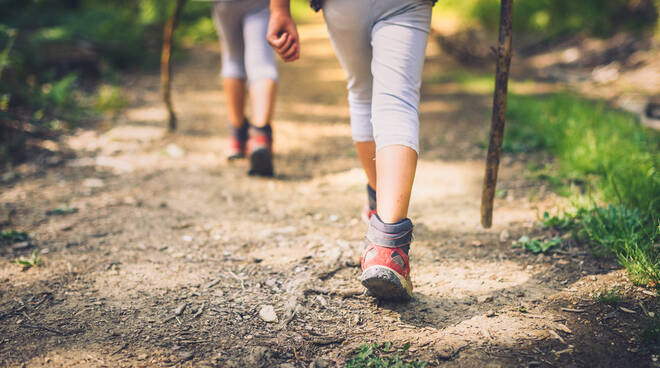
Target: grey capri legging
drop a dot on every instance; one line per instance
(381, 45)
(242, 26)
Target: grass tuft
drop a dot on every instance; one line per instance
(535, 245)
(33, 261)
(608, 296)
(13, 236)
(382, 356)
(615, 164)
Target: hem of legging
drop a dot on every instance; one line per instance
(398, 142)
(260, 78)
(233, 76)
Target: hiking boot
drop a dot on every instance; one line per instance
(238, 138)
(260, 151)
(385, 263)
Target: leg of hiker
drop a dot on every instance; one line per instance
(262, 76)
(228, 21)
(391, 37)
(246, 55)
(399, 40)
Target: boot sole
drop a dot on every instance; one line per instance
(261, 163)
(384, 283)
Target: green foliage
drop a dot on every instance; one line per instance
(61, 211)
(620, 232)
(607, 296)
(109, 98)
(607, 153)
(535, 245)
(551, 18)
(33, 261)
(13, 236)
(382, 356)
(603, 148)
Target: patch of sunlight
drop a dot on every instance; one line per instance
(149, 114)
(466, 279)
(343, 181)
(436, 106)
(331, 75)
(140, 278)
(303, 135)
(312, 32)
(438, 180)
(127, 133)
(508, 329)
(338, 112)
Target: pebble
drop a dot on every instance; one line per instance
(490, 313)
(321, 300)
(267, 313)
(187, 238)
(93, 183)
(504, 235)
(333, 218)
(174, 151)
(20, 245)
(179, 309)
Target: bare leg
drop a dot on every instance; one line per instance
(395, 166)
(262, 95)
(235, 96)
(367, 153)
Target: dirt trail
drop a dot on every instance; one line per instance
(173, 251)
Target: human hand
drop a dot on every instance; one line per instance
(282, 35)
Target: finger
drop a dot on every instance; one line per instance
(292, 55)
(286, 45)
(277, 42)
(291, 52)
(290, 43)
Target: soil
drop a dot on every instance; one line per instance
(175, 257)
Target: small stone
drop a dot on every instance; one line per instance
(485, 299)
(174, 151)
(321, 300)
(93, 183)
(504, 235)
(179, 309)
(267, 313)
(333, 218)
(490, 313)
(187, 238)
(20, 245)
(185, 356)
(142, 357)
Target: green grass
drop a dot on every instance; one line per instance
(535, 245)
(33, 261)
(382, 356)
(609, 163)
(605, 149)
(61, 211)
(608, 296)
(13, 236)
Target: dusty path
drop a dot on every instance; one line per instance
(173, 252)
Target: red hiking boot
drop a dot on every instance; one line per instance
(385, 263)
(260, 151)
(238, 138)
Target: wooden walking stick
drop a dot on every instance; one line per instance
(499, 112)
(166, 62)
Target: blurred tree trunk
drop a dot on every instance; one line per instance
(166, 61)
